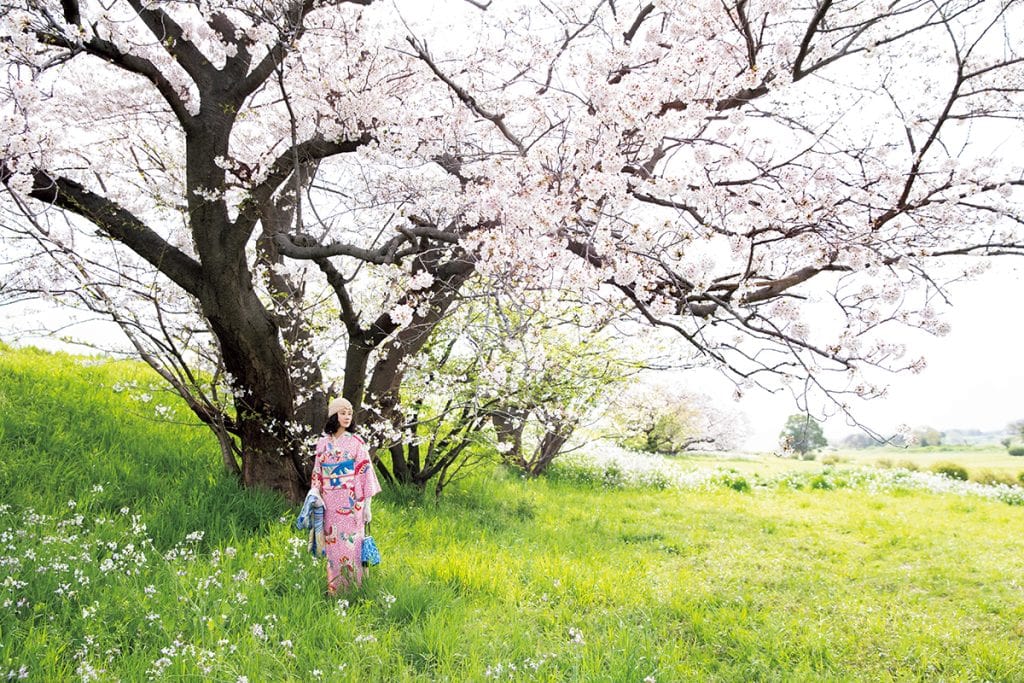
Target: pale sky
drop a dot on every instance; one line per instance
(974, 377)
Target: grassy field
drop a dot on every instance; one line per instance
(977, 460)
(126, 555)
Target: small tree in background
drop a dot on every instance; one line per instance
(521, 374)
(928, 436)
(673, 420)
(859, 440)
(1015, 442)
(802, 434)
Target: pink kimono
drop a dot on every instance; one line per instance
(343, 475)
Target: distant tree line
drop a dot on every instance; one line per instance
(929, 436)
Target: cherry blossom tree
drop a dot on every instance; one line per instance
(189, 136)
(802, 434)
(670, 419)
(261, 193)
(515, 375)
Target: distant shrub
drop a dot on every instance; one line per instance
(908, 465)
(821, 482)
(950, 470)
(989, 478)
(733, 481)
(808, 455)
(884, 463)
(613, 477)
(831, 460)
(928, 436)
(1015, 450)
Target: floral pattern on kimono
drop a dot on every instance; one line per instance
(344, 476)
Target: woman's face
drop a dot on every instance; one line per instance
(345, 417)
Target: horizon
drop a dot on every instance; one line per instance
(960, 388)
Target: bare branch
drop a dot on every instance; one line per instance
(805, 43)
(569, 37)
(172, 38)
(640, 17)
(497, 119)
(117, 222)
(307, 248)
(304, 152)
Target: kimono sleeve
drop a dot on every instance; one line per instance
(316, 481)
(368, 478)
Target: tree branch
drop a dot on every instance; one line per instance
(296, 12)
(337, 281)
(310, 150)
(72, 14)
(497, 119)
(805, 43)
(172, 38)
(110, 53)
(306, 248)
(118, 223)
(631, 32)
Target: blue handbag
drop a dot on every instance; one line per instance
(370, 553)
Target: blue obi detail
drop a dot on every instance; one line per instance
(335, 471)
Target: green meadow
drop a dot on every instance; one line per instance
(979, 461)
(125, 554)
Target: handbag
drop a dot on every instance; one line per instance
(370, 555)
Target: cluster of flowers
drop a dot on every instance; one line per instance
(81, 558)
(510, 670)
(617, 468)
(887, 480)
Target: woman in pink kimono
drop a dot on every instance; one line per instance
(344, 476)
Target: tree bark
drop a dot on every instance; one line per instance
(357, 359)
(550, 445)
(383, 399)
(271, 455)
(509, 423)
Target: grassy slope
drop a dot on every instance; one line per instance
(560, 583)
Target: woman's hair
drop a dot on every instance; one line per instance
(334, 424)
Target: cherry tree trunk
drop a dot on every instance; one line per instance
(263, 392)
(383, 390)
(271, 442)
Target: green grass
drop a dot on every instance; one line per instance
(503, 579)
(977, 460)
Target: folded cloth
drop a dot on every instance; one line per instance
(317, 546)
(311, 517)
(305, 518)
